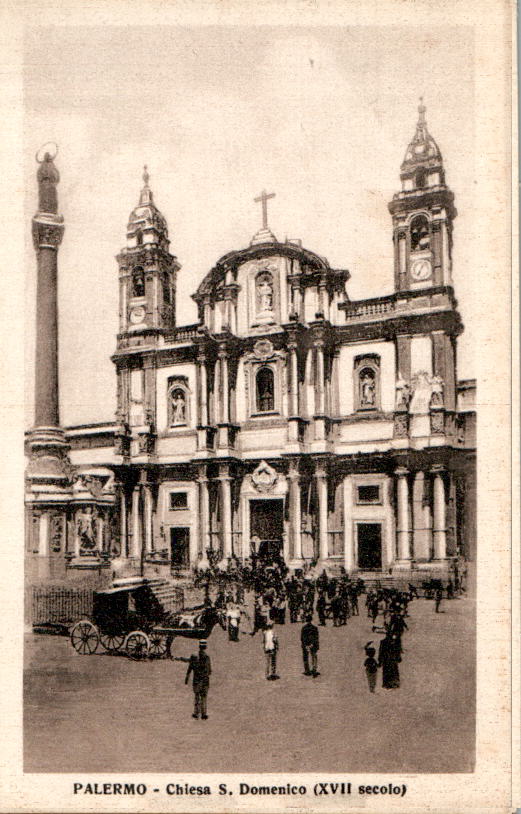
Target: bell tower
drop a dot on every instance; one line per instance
(423, 213)
(147, 270)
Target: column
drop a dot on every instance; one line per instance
(217, 392)
(123, 531)
(293, 367)
(349, 552)
(228, 309)
(225, 400)
(204, 514)
(136, 524)
(203, 390)
(148, 504)
(47, 235)
(295, 511)
(100, 525)
(402, 525)
(319, 379)
(321, 477)
(439, 515)
(226, 496)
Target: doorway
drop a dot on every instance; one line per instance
(369, 544)
(180, 547)
(267, 525)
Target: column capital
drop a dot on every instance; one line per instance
(438, 469)
(223, 351)
(149, 362)
(47, 231)
(320, 470)
(401, 471)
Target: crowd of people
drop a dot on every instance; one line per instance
(280, 598)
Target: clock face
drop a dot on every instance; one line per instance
(137, 315)
(421, 269)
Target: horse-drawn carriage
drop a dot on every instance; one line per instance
(130, 619)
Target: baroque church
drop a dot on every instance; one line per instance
(288, 420)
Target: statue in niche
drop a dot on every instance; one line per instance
(86, 525)
(178, 407)
(367, 389)
(264, 294)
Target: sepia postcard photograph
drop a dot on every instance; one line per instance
(264, 531)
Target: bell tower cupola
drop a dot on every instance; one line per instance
(147, 269)
(423, 213)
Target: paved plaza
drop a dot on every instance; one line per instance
(104, 713)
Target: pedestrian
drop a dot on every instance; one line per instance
(321, 608)
(389, 658)
(271, 646)
(450, 589)
(233, 613)
(371, 666)
(309, 639)
(438, 596)
(336, 609)
(201, 668)
(353, 595)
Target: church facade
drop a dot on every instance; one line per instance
(289, 420)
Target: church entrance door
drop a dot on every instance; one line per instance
(267, 525)
(180, 547)
(369, 540)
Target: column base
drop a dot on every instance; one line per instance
(401, 565)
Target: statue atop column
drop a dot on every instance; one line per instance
(48, 178)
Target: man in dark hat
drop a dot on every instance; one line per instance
(310, 645)
(201, 668)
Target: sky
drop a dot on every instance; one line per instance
(319, 115)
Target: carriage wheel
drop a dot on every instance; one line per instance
(112, 643)
(137, 645)
(157, 644)
(85, 637)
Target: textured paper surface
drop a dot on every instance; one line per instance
(474, 75)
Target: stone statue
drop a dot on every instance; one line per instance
(178, 407)
(48, 177)
(86, 525)
(437, 391)
(421, 397)
(367, 391)
(265, 294)
(402, 394)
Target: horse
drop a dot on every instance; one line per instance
(193, 624)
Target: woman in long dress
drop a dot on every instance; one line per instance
(388, 659)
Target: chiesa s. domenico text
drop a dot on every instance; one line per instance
(288, 420)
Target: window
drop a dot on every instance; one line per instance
(139, 238)
(178, 500)
(420, 238)
(367, 382)
(421, 179)
(138, 283)
(166, 290)
(368, 494)
(265, 390)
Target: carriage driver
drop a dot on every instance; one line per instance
(201, 667)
